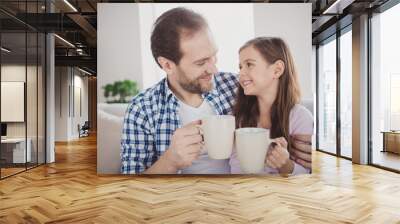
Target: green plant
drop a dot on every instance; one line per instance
(119, 91)
(108, 90)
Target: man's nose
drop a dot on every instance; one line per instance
(212, 68)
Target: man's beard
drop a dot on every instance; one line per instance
(193, 86)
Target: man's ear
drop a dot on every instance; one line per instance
(279, 68)
(166, 64)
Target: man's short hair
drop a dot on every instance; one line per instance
(168, 29)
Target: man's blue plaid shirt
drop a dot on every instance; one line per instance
(153, 116)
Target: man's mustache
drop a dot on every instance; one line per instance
(205, 75)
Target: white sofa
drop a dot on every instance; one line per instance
(110, 119)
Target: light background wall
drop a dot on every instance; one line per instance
(291, 22)
(118, 45)
(71, 102)
(17, 73)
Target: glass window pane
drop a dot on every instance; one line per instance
(23, 87)
(327, 97)
(41, 98)
(13, 87)
(346, 94)
(385, 86)
(31, 100)
(32, 86)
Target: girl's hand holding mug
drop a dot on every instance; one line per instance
(278, 156)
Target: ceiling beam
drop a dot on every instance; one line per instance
(337, 7)
(83, 61)
(84, 24)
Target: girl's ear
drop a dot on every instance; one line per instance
(279, 68)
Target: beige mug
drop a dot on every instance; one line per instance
(252, 145)
(218, 132)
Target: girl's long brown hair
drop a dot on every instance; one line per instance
(246, 109)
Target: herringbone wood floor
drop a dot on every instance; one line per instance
(69, 191)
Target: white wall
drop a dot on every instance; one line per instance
(12, 101)
(314, 99)
(149, 67)
(292, 22)
(313, 79)
(17, 73)
(66, 122)
(80, 83)
(61, 103)
(14, 72)
(118, 45)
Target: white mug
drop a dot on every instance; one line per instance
(252, 145)
(218, 132)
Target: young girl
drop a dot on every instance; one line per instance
(268, 97)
